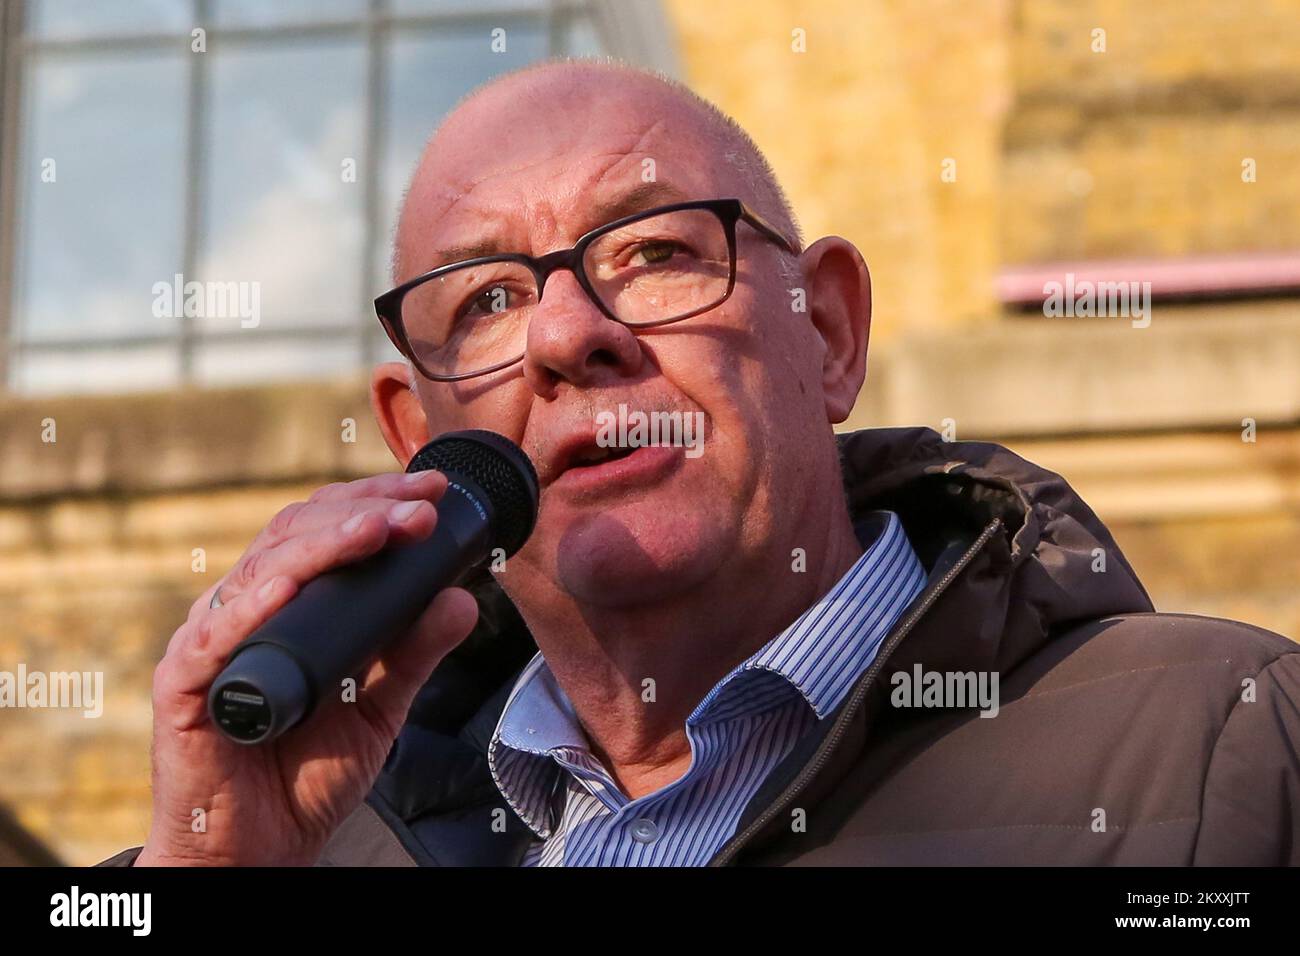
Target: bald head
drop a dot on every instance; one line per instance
(504, 127)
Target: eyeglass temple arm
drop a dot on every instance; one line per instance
(767, 229)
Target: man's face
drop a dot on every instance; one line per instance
(531, 168)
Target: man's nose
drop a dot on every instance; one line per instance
(571, 340)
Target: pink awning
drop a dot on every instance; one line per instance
(1191, 277)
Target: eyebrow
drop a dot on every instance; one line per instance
(636, 199)
(644, 196)
(486, 247)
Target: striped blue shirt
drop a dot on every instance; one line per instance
(542, 762)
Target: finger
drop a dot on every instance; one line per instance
(391, 682)
(416, 484)
(312, 554)
(202, 605)
(338, 502)
(329, 536)
(332, 513)
(185, 674)
(308, 556)
(343, 534)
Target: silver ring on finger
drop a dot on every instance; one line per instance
(216, 601)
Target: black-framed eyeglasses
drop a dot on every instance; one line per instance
(662, 265)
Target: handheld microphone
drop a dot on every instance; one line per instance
(342, 619)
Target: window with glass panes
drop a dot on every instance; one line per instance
(271, 148)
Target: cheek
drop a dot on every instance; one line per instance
(735, 397)
(498, 405)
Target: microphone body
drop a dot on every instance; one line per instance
(344, 618)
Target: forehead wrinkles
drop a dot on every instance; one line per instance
(522, 208)
(582, 163)
(532, 193)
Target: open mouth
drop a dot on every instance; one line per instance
(596, 455)
(608, 469)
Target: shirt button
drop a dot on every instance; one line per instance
(644, 831)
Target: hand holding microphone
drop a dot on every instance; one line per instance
(343, 618)
(354, 582)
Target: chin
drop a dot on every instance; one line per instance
(633, 553)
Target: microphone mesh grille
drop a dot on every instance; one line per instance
(496, 465)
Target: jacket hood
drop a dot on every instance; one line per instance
(1050, 563)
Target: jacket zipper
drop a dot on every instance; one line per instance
(818, 760)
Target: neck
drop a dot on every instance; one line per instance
(635, 674)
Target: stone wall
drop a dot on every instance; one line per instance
(97, 567)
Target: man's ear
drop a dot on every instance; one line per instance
(398, 410)
(839, 302)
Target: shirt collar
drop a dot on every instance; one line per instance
(824, 650)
